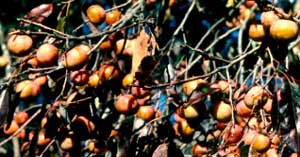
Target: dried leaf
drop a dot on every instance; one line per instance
(39, 13)
(139, 48)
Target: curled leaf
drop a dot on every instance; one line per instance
(39, 13)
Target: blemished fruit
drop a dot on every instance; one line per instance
(112, 17)
(267, 18)
(47, 55)
(96, 13)
(242, 110)
(19, 45)
(80, 77)
(127, 80)
(146, 113)
(42, 139)
(11, 129)
(261, 143)
(126, 104)
(284, 30)
(27, 89)
(76, 57)
(21, 117)
(94, 80)
(190, 86)
(233, 133)
(256, 32)
(3, 61)
(222, 111)
(108, 72)
(254, 96)
(198, 150)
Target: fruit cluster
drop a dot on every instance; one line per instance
(113, 76)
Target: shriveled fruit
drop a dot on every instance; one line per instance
(9, 130)
(19, 44)
(80, 77)
(284, 30)
(126, 104)
(47, 55)
(21, 117)
(112, 17)
(233, 133)
(27, 89)
(76, 57)
(257, 32)
(254, 96)
(146, 113)
(96, 13)
(222, 111)
(261, 143)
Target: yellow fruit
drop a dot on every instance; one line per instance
(222, 111)
(96, 13)
(261, 143)
(284, 30)
(27, 89)
(257, 32)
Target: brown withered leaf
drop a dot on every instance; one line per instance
(139, 48)
(39, 13)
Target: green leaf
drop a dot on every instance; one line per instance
(61, 24)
